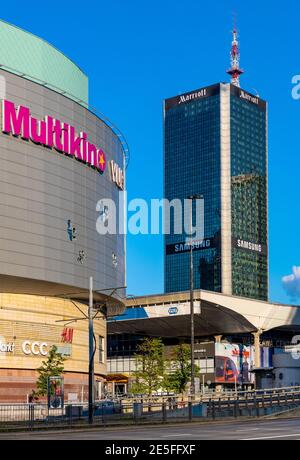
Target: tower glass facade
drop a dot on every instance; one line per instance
(196, 162)
(192, 165)
(249, 196)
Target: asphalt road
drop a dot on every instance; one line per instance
(244, 430)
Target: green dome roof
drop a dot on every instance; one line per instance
(26, 54)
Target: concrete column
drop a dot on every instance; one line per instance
(256, 336)
(218, 338)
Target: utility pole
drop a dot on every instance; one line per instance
(192, 307)
(192, 314)
(91, 355)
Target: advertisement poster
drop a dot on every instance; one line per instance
(233, 363)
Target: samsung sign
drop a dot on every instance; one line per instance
(179, 248)
(249, 246)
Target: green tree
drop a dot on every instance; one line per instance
(53, 367)
(150, 371)
(180, 369)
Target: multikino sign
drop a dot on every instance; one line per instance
(51, 133)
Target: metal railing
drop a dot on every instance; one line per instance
(254, 404)
(205, 396)
(150, 410)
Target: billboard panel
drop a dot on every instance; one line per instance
(233, 363)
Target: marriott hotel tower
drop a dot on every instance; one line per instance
(215, 144)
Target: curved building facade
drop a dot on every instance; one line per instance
(55, 171)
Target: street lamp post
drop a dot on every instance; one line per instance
(192, 319)
(91, 316)
(92, 349)
(192, 309)
(91, 354)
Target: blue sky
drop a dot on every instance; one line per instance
(136, 53)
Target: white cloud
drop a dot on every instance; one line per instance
(291, 283)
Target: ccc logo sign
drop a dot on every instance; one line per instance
(35, 348)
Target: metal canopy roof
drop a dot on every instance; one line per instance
(220, 314)
(213, 320)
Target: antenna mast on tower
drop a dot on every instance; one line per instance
(235, 70)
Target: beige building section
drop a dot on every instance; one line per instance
(226, 191)
(28, 320)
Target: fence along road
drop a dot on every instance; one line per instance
(244, 404)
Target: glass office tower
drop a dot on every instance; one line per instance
(216, 145)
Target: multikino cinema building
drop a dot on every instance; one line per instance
(55, 156)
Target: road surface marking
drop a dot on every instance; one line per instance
(273, 437)
(246, 431)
